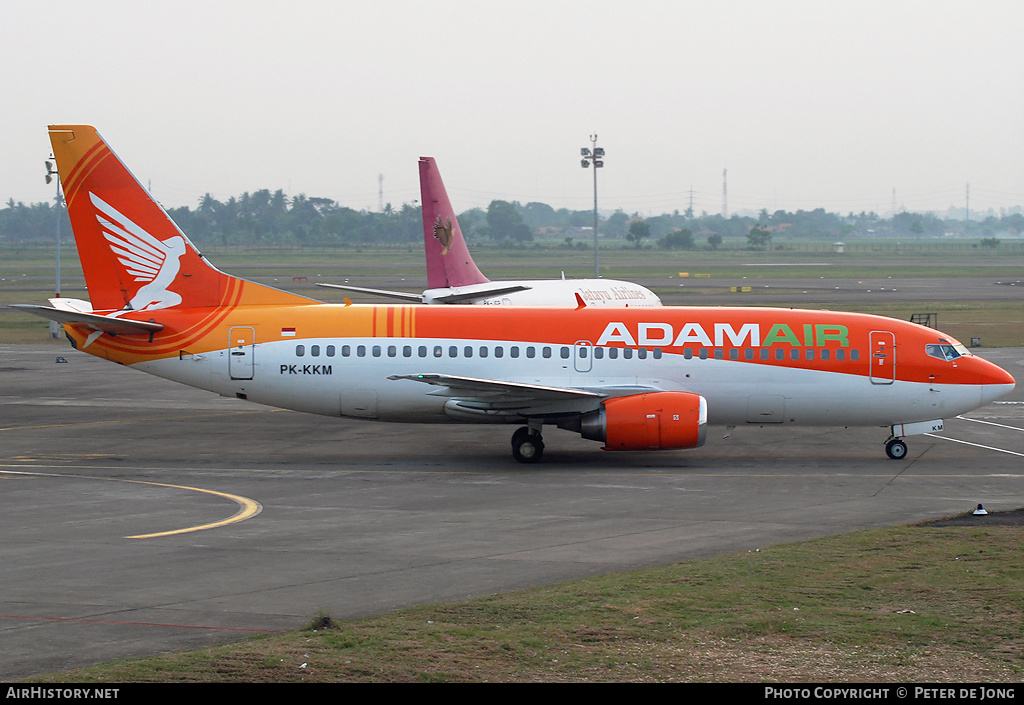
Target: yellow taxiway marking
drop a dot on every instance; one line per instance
(247, 508)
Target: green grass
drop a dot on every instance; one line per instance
(904, 604)
(28, 276)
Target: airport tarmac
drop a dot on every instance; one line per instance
(292, 513)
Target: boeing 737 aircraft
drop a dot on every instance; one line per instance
(453, 277)
(631, 378)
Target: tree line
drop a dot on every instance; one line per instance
(273, 218)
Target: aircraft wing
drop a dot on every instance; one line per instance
(106, 324)
(497, 400)
(495, 390)
(404, 296)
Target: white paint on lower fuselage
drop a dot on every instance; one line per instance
(733, 389)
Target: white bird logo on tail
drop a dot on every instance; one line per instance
(145, 258)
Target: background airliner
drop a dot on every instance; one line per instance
(631, 378)
(453, 277)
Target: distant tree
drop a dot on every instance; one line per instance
(615, 226)
(638, 231)
(505, 223)
(539, 215)
(679, 240)
(715, 240)
(990, 243)
(759, 238)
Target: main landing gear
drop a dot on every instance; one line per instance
(527, 445)
(895, 448)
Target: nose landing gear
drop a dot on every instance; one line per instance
(895, 448)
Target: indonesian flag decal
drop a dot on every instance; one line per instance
(288, 332)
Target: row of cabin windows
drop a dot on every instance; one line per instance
(565, 352)
(454, 351)
(766, 354)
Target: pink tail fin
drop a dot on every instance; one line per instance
(448, 260)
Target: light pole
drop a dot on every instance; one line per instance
(597, 157)
(50, 173)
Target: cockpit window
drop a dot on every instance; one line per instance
(945, 351)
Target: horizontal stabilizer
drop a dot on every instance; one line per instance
(404, 296)
(477, 294)
(114, 326)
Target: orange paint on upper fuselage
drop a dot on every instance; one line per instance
(673, 330)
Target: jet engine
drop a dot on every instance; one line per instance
(652, 421)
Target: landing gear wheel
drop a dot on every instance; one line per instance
(896, 449)
(527, 447)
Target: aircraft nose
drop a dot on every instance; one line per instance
(996, 375)
(996, 381)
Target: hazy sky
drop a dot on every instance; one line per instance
(807, 104)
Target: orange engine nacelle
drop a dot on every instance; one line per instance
(653, 421)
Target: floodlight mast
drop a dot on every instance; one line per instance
(50, 174)
(595, 155)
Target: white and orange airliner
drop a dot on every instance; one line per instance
(453, 277)
(632, 378)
